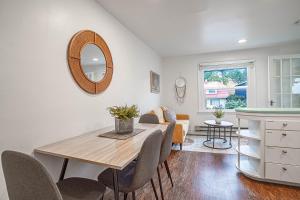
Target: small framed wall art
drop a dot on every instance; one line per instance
(154, 82)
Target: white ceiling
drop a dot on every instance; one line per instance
(181, 27)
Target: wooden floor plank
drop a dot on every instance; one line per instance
(208, 176)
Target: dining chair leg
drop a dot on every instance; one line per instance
(116, 184)
(160, 185)
(133, 195)
(168, 172)
(154, 190)
(63, 169)
(125, 196)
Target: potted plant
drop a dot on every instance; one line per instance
(218, 113)
(124, 117)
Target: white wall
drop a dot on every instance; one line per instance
(39, 101)
(187, 66)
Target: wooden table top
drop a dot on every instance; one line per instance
(113, 153)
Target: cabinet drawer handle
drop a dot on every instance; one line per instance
(284, 169)
(283, 134)
(285, 124)
(284, 151)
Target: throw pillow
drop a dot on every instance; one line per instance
(160, 115)
(170, 115)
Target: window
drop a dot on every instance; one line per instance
(224, 86)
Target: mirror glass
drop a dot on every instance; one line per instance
(93, 62)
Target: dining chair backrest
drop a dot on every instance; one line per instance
(147, 160)
(27, 179)
(149, 119)
(166, 145)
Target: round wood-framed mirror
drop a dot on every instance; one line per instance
(90, 61)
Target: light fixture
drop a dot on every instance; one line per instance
(95, 59)
(242, 41)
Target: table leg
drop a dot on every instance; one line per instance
(230, 135)
(116, 184)
(219, 132)
(225, 135)
(63, 169)
(208, 132)
(214, 137)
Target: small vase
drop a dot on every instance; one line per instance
(124, 126)
(218, 120)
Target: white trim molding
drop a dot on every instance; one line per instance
(230, 62)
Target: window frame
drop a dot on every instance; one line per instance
(251, 97)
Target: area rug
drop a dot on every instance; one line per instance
(195, 143)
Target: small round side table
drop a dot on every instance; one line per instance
(211, 134)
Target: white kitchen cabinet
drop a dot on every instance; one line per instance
(272, 152)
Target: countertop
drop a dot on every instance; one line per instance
(270, 110)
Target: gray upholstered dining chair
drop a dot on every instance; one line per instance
(138, 173)
(165, 151)
(27, 179)
(166, 146)
(149, 119)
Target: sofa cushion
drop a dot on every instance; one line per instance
(169, 115)
(185, 125)
(160, 115)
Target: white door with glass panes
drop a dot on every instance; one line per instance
(284, 81)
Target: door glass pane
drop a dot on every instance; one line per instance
(276, 99)
(286, 101)
(275, 68)
(275, 85)
(296, 66)
(296, 100)
(285, 67)
(286, 85)
(296, 91)
(296, 85)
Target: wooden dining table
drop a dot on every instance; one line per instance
(105, 152)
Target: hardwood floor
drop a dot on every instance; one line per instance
(207, 176)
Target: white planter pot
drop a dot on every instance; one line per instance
(218, 120)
